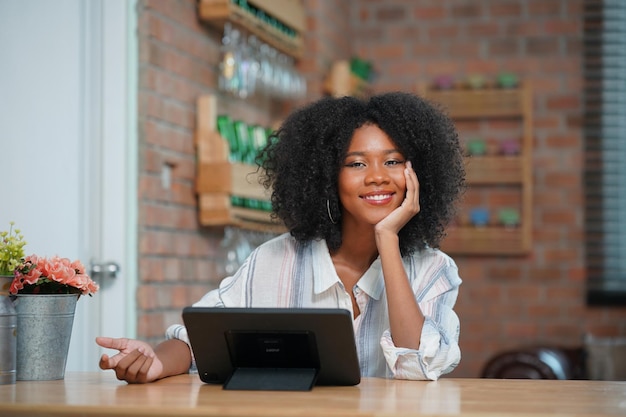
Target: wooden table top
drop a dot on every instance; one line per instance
(100, 394)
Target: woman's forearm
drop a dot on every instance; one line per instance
(405, 317)
(175, 356)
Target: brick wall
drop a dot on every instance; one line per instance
(178, 61)
(504, 302)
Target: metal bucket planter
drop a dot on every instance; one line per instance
(44, 330)
(8, 333)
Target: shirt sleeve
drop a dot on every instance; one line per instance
(439, 351)
(229, 288)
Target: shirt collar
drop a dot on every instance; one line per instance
(372, 281)
(325, 276)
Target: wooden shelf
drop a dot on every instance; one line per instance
(234, 178)
(493, 170)
(289, 12)
(485, 240)
(218, 179)
(489, 103)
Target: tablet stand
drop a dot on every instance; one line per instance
(272, 379)
(278, 361)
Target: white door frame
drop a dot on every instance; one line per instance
(109, 106)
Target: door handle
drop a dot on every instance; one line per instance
(104, 271)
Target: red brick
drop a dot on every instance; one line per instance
(542, 46)
(505, 312)
(391, 14)
(389, 51)
(604, 330)
(565, 141)
(151, 325)
(563, 27)
(548, 198)
(560, 65)
(461, 49)
(466, 10)
(479, 66)
(503, 47)
(499, 199)
(562, 333)
(483, 30)
(524, 293)
(521, 330)
(505, 9)
(545, 275)
(150, 270)
(522, 28)
(543, 311)
(577, 275)
(441, 66)
(429, 13)
(182, 12)
(479, 329)
(444, 32)
(509, 272)
(544, 8)
(403, 69)
(562, 180)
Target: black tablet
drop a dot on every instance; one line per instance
(273, 348)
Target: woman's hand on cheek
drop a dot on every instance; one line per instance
(409, 207)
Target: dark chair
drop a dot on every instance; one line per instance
(537, 363)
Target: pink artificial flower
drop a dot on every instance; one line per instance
(31, 277)
(78, 267)
(59, 270)
(16, 286)
(51, 275)
(33, 259)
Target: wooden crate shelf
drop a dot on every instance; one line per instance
(290, 12)
(493, 170)
(218, 179)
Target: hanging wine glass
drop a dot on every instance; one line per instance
(229, 74)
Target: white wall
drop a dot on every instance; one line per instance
(40, 143)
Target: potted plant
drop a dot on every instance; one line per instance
(46, 290)
(54, 275)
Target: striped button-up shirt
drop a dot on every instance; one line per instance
(285, 273)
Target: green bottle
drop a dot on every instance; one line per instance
(244, 145)
(227, 131)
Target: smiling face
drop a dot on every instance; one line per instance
(371, 179)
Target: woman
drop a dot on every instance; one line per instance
(365, 188)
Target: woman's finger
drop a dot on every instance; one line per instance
(412, 187)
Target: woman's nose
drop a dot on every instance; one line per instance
(376, 174)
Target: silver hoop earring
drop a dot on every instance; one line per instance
(330, 216)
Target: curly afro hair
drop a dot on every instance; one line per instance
(304, 156)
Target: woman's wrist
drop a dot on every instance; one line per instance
(385, 236)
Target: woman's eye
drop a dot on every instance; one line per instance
(355, 164)
(395, 162)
